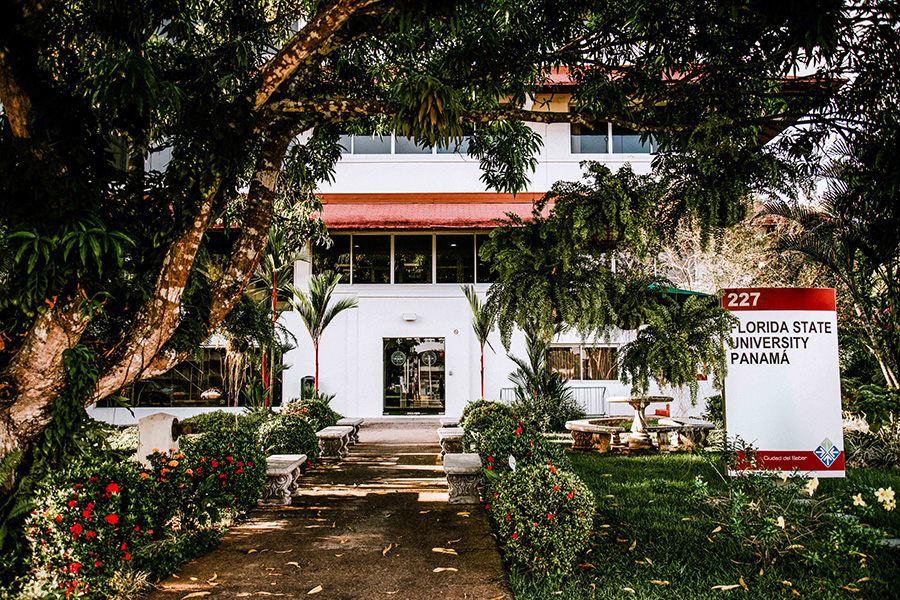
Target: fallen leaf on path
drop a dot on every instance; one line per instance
(175, 576)
(649, 562)
(315, 590)
(445, 551)
(196, 595)
(632, 546)
(343, 541)
(252, 550)
(321, 519)
(605, 526)
(716, 530)
(333, 524)
(787, 583)
(498, 598)
(726, 587)
(293, 563)
(743, 585)
(386, 550)
(424, 512)
(640, 562)
(453, 541)
(442, 569)
(795, 547)
(463, 513)
(621, 541)
(193, 578)
(390, 593)
(284, 551)
(340, 555)
(658, 582)
(350, 528)
(849, 589)
(213, 578)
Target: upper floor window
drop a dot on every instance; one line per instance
(398, 144)
(404, 258)
(607, 138)
(584, 362)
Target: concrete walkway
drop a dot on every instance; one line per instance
(364, 528)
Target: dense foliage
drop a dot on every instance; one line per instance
(543, 517)
(289, 434)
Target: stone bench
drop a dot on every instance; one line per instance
(692, 433)
(354, 423)
(449, 422)
(282, 472)
(463, 473)
(451, 439)
(590, 433)
(333, 441)
(662, 435)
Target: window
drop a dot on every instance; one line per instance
(626, 141)
(455, 257)
(371, 259)
(334, 258)
(404, 258)
(590, 140)
(398, 144)
(412, 259)
(584, 362)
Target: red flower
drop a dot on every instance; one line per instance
(228, 458)
(490, 467)
(76, 529)
(215, 464)
(555, 487)
(112, 488)
(111, 519)
(549, 516)
(222, 476)
(58, 518)
(127, 556)
(71, 503)
(518, 430)
(90, 534)
(97, 563)
(570, 496)
(123, 546)
(514, 536)
(487, 506)
(490, 459)
(73, 567)
(76, 486)
(93, 479)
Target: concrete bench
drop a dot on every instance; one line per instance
(662, 432)
(449, 422)
(590, 433)
(354, 423)
(333, 441)
(451, 439)
(282, 472)
(463, 473)
(692, 433)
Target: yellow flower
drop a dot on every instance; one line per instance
(858, 500)
(811, 486)
(885, 495)
(780, 522)
(890, 504)
(784, 476)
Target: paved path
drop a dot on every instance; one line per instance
(364, 528)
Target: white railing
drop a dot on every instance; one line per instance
(592, 400)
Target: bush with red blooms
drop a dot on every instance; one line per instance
(88, 519)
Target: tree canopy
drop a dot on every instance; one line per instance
(102, 251)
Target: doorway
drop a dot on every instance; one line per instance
(414, 382)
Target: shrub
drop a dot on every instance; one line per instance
(289, 434)
(317, 411)
(866, 449)
(233, 459)
(217, 420)
(483, 414)
(87, 521)
(543, 517)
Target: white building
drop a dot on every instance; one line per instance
(406, 222)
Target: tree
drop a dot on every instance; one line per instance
(102, 248)
(316, 309)
(482, 323)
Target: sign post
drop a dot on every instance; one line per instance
(783, 387)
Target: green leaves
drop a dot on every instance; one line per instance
(506, 151)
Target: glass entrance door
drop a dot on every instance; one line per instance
(414, 376)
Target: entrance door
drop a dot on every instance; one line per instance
(414, 376)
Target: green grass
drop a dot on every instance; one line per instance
(648, 528)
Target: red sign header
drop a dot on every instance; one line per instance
(779, 299)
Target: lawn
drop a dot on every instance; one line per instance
(651, 540)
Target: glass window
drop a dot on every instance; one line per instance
(376, 144)
(334, 258)
(408, 145)
(460, 146)
(626, 141)
(455, 258)
(600, 362)
(484, 274)
(371, 259)
(565, 360)
(346, 142)
(412, 259)
(590, 140)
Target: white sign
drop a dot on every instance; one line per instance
(783, 388)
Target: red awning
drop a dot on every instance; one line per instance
(382, 215)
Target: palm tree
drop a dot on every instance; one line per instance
(315, 311)
(482, 323)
